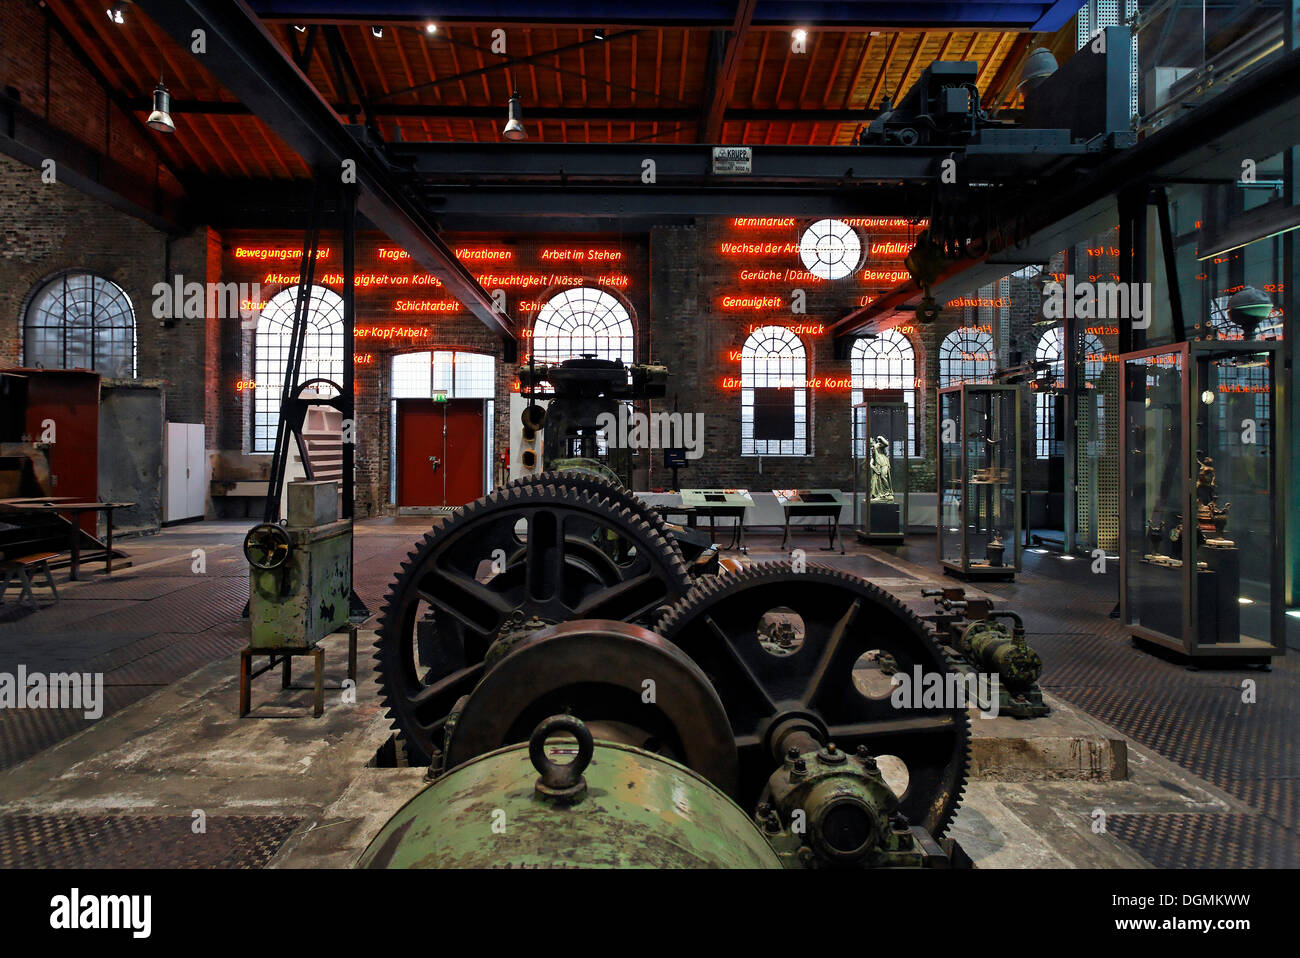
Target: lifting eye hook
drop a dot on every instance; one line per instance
(563, 784)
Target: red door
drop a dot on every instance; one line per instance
(439, 452)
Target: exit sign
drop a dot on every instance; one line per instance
(440, 395)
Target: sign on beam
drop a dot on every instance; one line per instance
(733, 160)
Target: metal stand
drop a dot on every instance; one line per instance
(832, 517)
(737, 530)
(285, 660)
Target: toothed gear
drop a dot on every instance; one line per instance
(617, 494)
(546, 550)
(844, 617)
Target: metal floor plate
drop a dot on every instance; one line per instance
(1207, 841)
(133, 841)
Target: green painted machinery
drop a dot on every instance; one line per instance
(611, 806)
(700, 742)
(300, 573)
(982, 644)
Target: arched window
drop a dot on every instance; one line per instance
(887, 361)
(1221, 326)
(773, 394)
(1051, 349)
(81, 321)
(583, 320)
(1249, 378)
(322, 353)
(830, 249)
(966, 356)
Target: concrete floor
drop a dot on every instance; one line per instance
(172, 747)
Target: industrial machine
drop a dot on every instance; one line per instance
(969, 629)
(943, 106)
(562, 598)
(300, 573)
(565, 433)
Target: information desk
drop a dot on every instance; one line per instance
(721, 503)
(814, 503)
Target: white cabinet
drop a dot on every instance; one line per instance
(187, 472)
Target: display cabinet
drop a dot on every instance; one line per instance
(880, 438)
(979, 479)
(1201, 506)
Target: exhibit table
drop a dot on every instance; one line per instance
(813, 503)
(721, 503)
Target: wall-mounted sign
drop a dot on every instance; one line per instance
(733, 160)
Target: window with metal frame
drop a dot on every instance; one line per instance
(1051, 349)
(773, 375)
(887, 361)
(966, 355)
(460, 375)
(830, 249)
(583, 320)
(81, 321)
(322, 354)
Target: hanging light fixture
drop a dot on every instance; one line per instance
(1248, 307)
(1038, 66)
(514, 129)
(161, 117)
(377, 32)
(117, 12)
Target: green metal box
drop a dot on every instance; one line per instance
(306, 599)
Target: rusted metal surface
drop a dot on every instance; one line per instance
(845, 621)
(640, 811)
(625, 681)
(548, 551)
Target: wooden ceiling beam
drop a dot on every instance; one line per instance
(724, 81)
(884, 71)
(1001, 82)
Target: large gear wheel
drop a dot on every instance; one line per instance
(818, 647)
(586, 482)
(550, 552)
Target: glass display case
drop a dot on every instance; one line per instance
(1201, 509)
(979, 479)
(880, 471)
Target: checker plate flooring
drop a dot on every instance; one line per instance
(128, 841)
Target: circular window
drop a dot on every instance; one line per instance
(830, 249)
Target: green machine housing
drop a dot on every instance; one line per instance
(304, 597)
